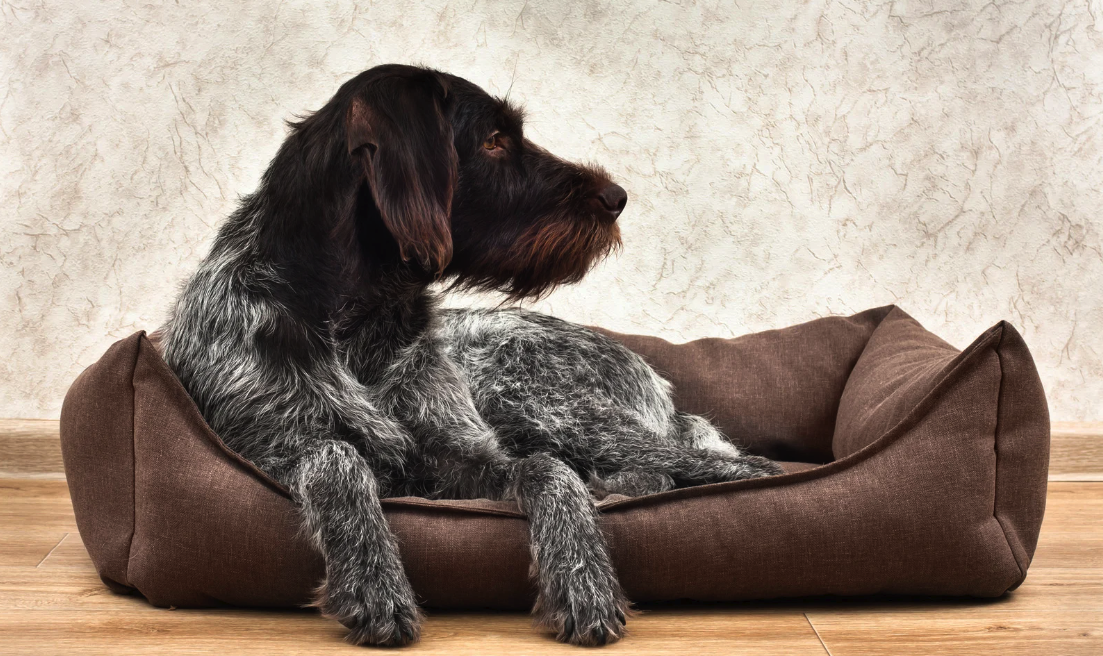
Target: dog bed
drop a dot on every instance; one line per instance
(913, 468)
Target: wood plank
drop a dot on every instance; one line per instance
(32, 448)
(69, 552)
(1008, 633)
(33, 488)
(42, 504)
(34, 517)
(1072, 531)
(1045, 589)
(1076, 451)
(28, 546)
(1056, 589)
(695, 632)
(70, 589)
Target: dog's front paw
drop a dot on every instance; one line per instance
(584, 608)
(375, 614)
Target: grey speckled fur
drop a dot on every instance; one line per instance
(546, 385)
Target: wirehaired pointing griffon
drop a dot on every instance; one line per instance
(311, 340)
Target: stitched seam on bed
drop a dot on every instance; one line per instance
(133, 455)
(442, 505)
(850, 372)
(996, 473)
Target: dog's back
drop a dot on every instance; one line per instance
(516, 357)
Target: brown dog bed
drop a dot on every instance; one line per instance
(918, 469)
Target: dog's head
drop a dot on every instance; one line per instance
(464, 194)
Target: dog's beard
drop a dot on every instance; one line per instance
(558, 251)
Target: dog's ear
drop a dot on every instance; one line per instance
(397, 130)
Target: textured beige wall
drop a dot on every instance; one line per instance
(784, 160)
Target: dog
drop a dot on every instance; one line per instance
(311, 339)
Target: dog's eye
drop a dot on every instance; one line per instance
(493, 142)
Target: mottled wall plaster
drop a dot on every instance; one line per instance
(784, 160)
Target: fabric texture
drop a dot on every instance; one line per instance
(914, 469)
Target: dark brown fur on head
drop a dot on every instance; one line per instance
(461, 191)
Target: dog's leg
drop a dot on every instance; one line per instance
(645, 466)
(630, 447)
(626, 454)
(365, 588)
(579, 595)
(700, 466)
(699, 437)
(580, 598)
(683, 465)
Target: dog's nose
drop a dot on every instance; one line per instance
(613, 198)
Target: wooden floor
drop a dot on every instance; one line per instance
(51, 600)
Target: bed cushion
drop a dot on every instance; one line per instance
(917, 469)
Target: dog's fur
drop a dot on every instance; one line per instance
(311, 342)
